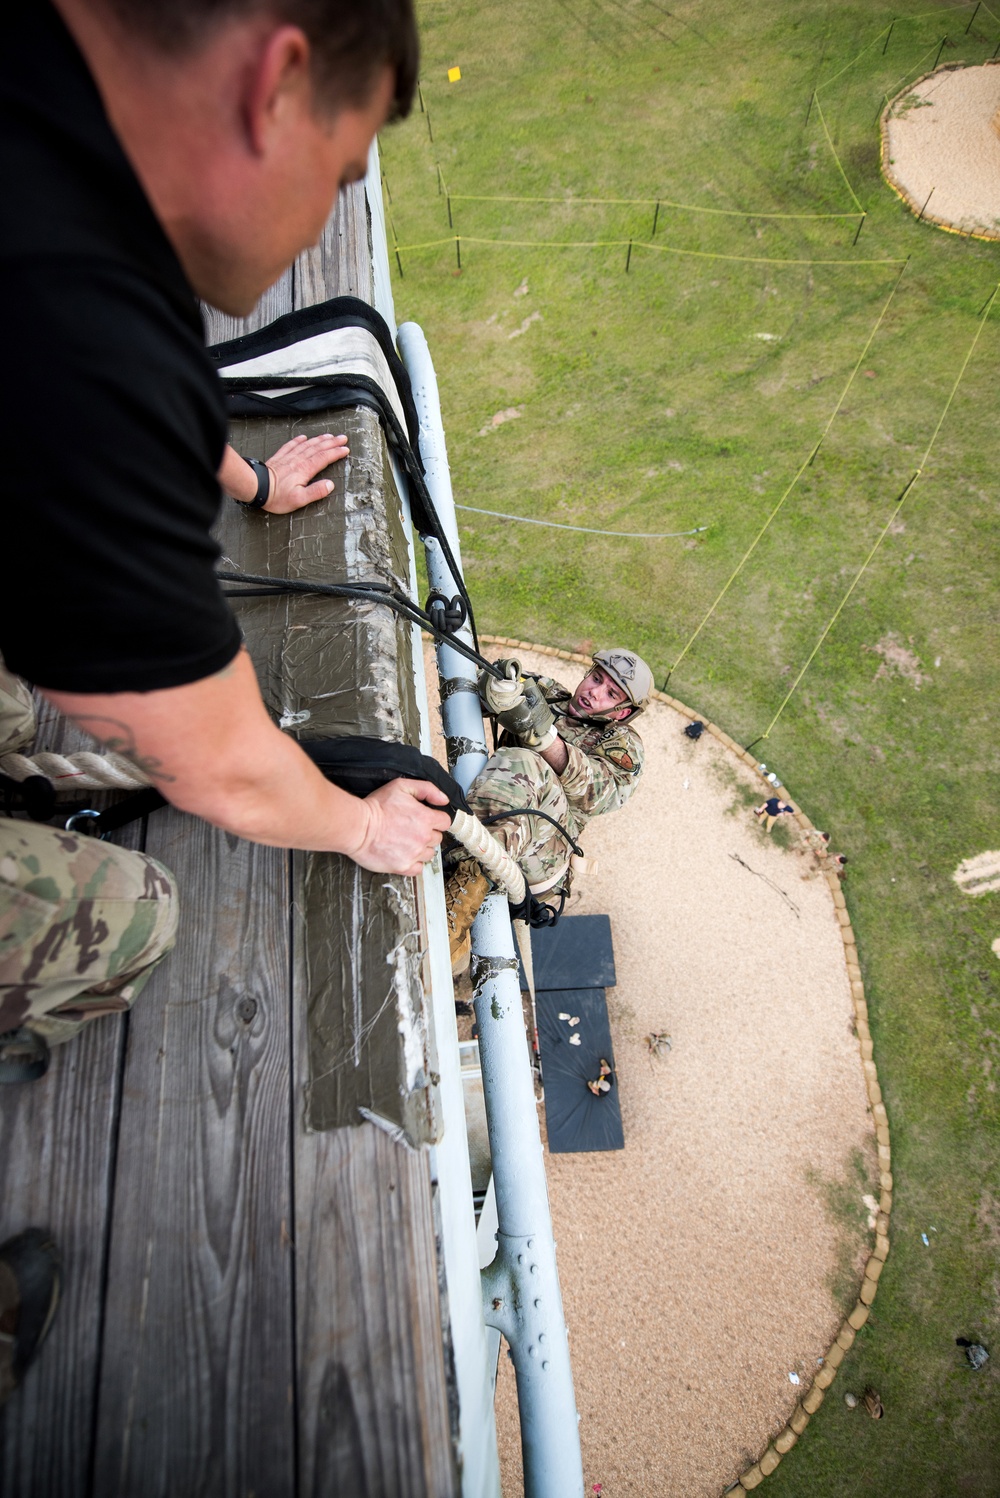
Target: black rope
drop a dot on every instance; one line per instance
(529, 811)
(373, 592)
(535, 913)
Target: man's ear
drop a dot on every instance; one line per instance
(279, 79)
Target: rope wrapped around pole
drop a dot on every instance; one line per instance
(86, 771)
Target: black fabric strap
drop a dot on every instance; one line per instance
(361, 765)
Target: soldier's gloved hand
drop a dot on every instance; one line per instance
(500, 696)
(538, 730)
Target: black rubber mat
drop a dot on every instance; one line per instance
(574, 953)
(576, 1120)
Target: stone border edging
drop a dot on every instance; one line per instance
(816, 1393)
(884, 158)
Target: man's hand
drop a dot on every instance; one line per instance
(292, 469)
(401, 827)
(295, 465)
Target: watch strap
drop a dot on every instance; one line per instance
(263, 476)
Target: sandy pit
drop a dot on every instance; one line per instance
(941, 149)
(705, 1262)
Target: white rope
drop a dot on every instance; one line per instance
(96, 772)
(558, 525)
(490, 853)
(83, 771)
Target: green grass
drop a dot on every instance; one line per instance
(649, 402)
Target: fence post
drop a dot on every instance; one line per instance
(656, 216)
(400, 264)
(628, 257)
(889, 35)
(973, 16)
(458, 251)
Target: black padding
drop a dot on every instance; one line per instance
(306, 322)
(575, 1119)
(361, 765)
(575, 953)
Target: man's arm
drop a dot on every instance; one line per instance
(212, 750)
(557, 755)
(601, 780)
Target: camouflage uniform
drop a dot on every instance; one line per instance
(605, 762)
(82, 923)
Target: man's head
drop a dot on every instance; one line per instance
(244, 118)
(351, 44)
(616, 687)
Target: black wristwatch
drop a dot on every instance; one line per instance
(263, 474)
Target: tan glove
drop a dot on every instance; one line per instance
(500, 696)
(539, 728)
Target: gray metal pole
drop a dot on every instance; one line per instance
(521, 1295)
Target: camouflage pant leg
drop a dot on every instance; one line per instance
(17, 713)
(82, 924)
(519, 777)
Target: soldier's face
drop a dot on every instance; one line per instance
(597, 693)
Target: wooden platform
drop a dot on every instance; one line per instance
(251, 1300)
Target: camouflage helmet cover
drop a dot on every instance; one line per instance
(629, 671)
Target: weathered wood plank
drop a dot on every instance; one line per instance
(373, 1402)
(341, 263)
(57, 1145)
(198, 1369)
(276, 301)
(56, 1150)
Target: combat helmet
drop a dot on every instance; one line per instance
(628, 671)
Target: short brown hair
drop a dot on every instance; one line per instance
(351, 40)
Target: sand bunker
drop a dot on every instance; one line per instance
(941, 148)
(716, 1254)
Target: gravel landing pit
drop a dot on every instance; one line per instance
(941, 148)
(717, 1253)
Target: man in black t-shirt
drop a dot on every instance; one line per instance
(153, 152)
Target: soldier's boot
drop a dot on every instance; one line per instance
(466, 887)
(24, 1056)
(29, 1294)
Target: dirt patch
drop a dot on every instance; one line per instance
(898, 660)
(941, 152)
(705, 1262)
(512, 413)
(979, 875)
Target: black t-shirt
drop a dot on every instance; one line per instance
(113, 422)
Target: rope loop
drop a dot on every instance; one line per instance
(447, 615)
